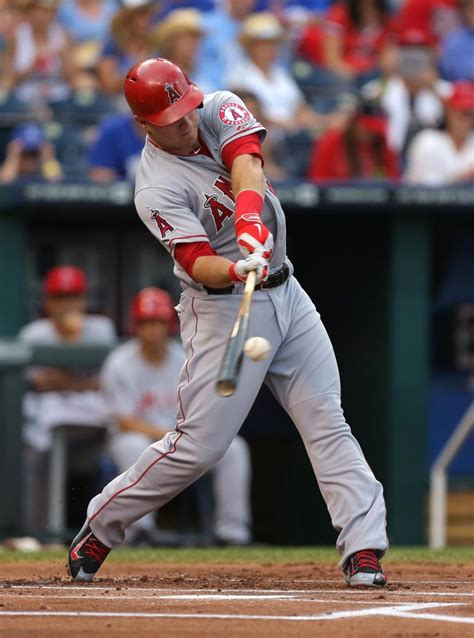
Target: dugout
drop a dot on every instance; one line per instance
(368, 255)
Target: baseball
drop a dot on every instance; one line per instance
(257, 348)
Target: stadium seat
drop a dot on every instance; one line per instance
(292, 152)
(12, 113)
(85, 107)
(322, 88)
(71, 144)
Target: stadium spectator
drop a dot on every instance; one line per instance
(359, 150)
(311, 42)
(177, 38)
(427, 20)
(30, 155)
(221, 50)
(286, 7)
(87, 23)
(39, 62)
(139, 380)
(167, 6)
(295, 15)
(87, 20)
(457, 50)
(438, 157)
(9, 13)
(283, 104)
(355, 31)
(412, 96)
(128, 43)
(116, 151)
(58, 396)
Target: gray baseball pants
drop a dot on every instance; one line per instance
(302, 373)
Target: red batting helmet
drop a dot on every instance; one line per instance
(154, 303)
(159, 92)
(65, 280)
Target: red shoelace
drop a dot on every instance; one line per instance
(365, 558)
(95, 549)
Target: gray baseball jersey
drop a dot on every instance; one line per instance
(187, 199)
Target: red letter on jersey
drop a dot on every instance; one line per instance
(161, 222)
(224, 185)
(219, 211)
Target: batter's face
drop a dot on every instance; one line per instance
(180, 138)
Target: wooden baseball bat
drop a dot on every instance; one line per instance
(233, 355)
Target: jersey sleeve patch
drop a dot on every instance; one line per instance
(163, 225)
(233, 114)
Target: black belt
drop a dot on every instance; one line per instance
(276, 278)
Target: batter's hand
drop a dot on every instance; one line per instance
(240, 269)
(253, 236)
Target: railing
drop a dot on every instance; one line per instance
(14, 358)
(385, 197)
(439, 480)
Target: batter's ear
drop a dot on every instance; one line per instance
(140, 122)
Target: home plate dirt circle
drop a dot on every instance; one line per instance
(233, 601)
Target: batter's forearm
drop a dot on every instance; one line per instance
(212, 271)
(247, 174)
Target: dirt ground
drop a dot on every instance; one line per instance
(233, 601)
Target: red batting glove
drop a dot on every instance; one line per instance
(252, 234)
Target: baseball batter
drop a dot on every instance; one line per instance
(201, 190)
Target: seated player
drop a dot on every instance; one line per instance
(139, 380)
(58, 396)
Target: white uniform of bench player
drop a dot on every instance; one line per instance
(61, 397)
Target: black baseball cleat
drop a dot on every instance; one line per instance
(86, 555)
(364, 570)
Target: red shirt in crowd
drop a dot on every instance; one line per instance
(427, 20)
(360, 45)
(330, 159)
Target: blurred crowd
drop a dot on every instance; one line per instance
(350, 89)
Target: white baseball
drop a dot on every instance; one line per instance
(257, 348)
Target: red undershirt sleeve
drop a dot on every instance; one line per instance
(247, 145)
(186, 254)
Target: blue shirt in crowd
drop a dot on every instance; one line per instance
(457, 55)
(82, 27)
(171, 5)
(118, 146)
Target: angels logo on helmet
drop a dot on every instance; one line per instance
(173, 94)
